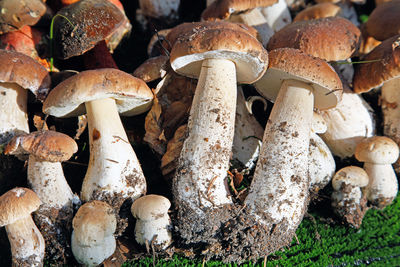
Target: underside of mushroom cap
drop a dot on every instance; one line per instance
(384, 66)
(332, 38)
(46, 145)
(16, 204)
(67, 99)
(92, 21)
(292, 64)
(243, 49)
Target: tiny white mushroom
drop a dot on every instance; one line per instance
(153, 225)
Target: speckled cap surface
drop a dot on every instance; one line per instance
(351, 175)
(378, 150)
(150, 206)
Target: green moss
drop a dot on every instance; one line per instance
(376, 243)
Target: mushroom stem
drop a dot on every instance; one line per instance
(114, 170)
(257, 20)
(27, 243)
(14, 118)
(48, 181)
(199, 182)
(279, 189)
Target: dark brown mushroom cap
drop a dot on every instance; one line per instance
(67, 99)
(293, 64)
(18, 13)
(152, 69)
(16, 204)
(46, 145)
(243, 49)
(222, 9)
(384, 21)
(332, 38)
(386, 67)
(25, 71)
(92, 21)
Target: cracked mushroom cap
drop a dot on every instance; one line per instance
(17, 13)
(132, 95)
(13, 69)
(292, 64)
(352, 175)
(16, 204)
(378, 150)
(384, 21)
(93, 222)
(322, 10)
(332, 38)
(201, 43)
(150, 207)
(223, 9)
(85, 32)
(46, 145)
(384, 66)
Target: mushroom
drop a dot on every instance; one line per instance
(384, 21)
(27, 244)
(214, 55)
(153, 225)
(114, 173)
(14, 79)
(348, 200)
(93, 238)
(47, 149)
(160, 9)
(321, 10)
(378, 153)
(278, 193)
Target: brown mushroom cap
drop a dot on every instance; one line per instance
(378, 150)
(332, 38)
(18, 13)
(25, 71)
(92, 21)
(384, 21)
(222, 9)
(46, 145)
(351, 175)
(293, 64)
(322, 10)
(152, 69)
(201, 43)
(16, 204)
(150, 207)
(67, 99)
(386, 57)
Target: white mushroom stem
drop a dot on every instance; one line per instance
(27, 243)
(280, 184)
(200, 182)
(114, 169)
(383, 186)
(157, 230)
(14, 117)
(277, 15)
(48, 181)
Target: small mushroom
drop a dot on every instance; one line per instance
(153, 225)
(348, 200)
(378, 154)
(27, 243)
(93, 239)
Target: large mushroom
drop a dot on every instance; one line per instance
(114, 173)
(27, 243)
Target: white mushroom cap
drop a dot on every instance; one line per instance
(351, 175)
(150, 207)
(378, 150)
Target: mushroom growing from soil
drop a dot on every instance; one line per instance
(114, 174)
(27, 243)
(219, 55)
(153, 225)
(378, 154)
(47, 149)
(93, 238)
(15, 79)
(348, 200)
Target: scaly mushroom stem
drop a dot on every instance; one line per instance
(199, 182)
(14, 118)
(48, 181)
(279, 190)
(27, 243)
(114, 170)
